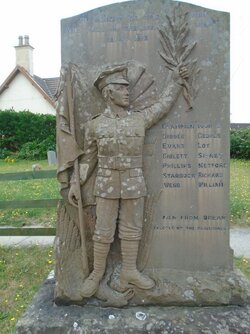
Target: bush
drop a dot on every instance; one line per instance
(240, 143)
(19, 128)
(36, 150)
(4, 153)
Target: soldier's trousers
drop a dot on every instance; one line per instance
(127, 213)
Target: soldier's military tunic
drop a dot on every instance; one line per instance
(117, 143)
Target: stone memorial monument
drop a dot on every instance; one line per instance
(143, 158)
(143, 165)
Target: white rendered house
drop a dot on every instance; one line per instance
(22, 90)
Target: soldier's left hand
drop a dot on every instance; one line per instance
(180, 74)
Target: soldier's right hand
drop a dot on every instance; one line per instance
(73, 195)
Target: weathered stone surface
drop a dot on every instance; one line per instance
(43, 317)
(186, 154)
(170, 59)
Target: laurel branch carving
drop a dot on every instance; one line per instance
(176, 51)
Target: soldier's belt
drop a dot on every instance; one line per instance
(119, 163)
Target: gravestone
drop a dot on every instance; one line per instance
(51, 155)
(185, 240)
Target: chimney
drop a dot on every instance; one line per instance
(20, 40)
(24, 54)
(26, 40)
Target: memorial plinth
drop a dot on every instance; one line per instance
(43, 317)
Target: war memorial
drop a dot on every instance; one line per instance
(142, 243)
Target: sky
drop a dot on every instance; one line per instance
(40, 19)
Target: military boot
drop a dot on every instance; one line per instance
(91, 284)
(129, 273)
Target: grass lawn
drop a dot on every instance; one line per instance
(22, 271)
(27, 189)
(243, 264)
(23, 165)
(240, 192)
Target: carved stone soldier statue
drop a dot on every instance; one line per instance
(114, 141)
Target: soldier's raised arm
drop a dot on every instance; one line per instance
(167, 98)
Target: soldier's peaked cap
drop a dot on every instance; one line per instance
(112, 75)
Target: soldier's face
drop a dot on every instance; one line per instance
(119, 94)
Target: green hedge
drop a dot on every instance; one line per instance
(29, 134)
(240, 143)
